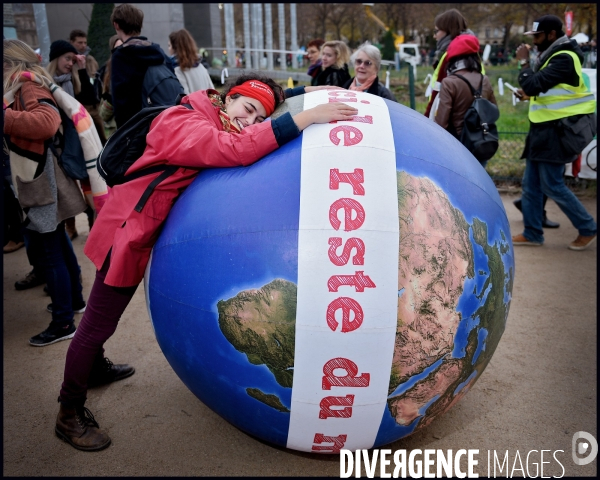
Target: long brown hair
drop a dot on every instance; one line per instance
(18, 57)
(452, 22)
(185, 48)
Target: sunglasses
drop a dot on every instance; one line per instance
(358, 62)
(435, 30)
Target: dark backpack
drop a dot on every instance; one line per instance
(125, 146)
(479, 134)
(160, 87)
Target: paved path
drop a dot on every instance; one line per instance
(539, 389)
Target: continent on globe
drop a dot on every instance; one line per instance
(261, 323)
(435, 257)
(430, 287)
(271, 400)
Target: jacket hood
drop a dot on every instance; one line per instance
(140, 51)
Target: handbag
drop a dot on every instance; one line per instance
(576, 132)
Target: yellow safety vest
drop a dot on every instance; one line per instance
(562, 100)
(433, 83)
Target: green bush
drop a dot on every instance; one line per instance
(100, 30)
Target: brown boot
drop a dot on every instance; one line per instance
(78, 427)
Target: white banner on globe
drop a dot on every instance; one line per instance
(348, 244)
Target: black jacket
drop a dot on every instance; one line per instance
(129, 64)
(332, 76)
(376, 88)
(543, 140)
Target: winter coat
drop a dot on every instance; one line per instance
(130, 62)
(456, 98)
(376, 88)
(178, 136)
(332, 75)
(543, 140)
(194, 79)
(45, 193)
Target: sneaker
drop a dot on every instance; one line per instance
(32, 279)
(79, 428)
(76, 308)
(521, 240)
(581, 242)
(107, 372)
(52, 335)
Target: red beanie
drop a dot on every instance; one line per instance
(259, 91)
(463, 45)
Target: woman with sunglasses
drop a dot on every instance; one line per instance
(367, 61)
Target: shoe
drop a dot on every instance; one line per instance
(76, 308)
(548, 223)
(521, 240)
(517, 203)
(52, 335)
(32, 279)
(12, 246)
(581, 242)
(108, 372)
(78, 427)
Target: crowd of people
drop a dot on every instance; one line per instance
(203, 129)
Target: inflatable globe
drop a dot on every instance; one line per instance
(342, 292)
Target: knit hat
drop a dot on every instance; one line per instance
(60, 47)
(463, 45)
(546, 24)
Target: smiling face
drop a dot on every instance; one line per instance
(65, 63)
(364, 67)
(329, 57)
(244, 111)
(313, 55)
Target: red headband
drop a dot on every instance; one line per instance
(259, 91)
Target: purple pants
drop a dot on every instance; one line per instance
(104, 309)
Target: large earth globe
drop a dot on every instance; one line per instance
(342, 292)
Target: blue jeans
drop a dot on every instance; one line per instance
(544, 177)
(62, 272)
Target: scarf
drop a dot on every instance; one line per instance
(65, 82)
(441, 46)
(542, 57)
(215, 99)
(362, 87)
(88, 136)
(313, 70)
(457, 66)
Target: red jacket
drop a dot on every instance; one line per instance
(178, 136)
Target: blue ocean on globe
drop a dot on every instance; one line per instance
(236, 229)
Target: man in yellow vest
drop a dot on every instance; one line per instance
(558, 99)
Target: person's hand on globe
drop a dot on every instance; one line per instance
(325, 113)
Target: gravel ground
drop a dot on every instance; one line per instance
(538, 390)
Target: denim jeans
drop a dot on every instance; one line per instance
(61, 270)
(547, 178)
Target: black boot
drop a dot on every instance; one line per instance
(106, 372)
(549, 223)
